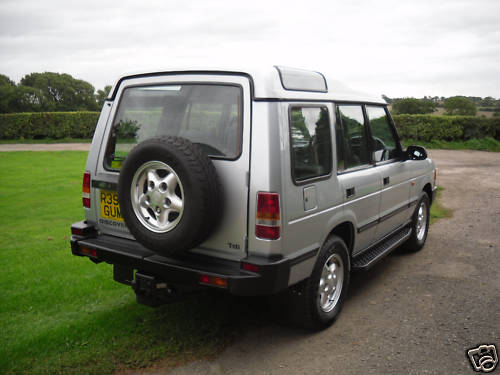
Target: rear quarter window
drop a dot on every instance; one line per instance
(310, 142)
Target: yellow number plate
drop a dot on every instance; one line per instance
(110, 208)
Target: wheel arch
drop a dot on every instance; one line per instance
(346, 232)
(428, 189)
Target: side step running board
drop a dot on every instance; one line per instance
(369, 257)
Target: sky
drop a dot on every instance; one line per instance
(398, 48)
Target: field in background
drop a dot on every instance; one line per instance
(440, 112)
(63, 314)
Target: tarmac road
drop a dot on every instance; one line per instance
(412, 313)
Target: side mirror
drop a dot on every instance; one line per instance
(416, 153)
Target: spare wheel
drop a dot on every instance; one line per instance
(169, 194)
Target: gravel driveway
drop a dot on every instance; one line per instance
(411, 314)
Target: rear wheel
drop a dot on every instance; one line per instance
(318, 300)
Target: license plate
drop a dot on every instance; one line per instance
(110, 209)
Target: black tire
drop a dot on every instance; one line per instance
(304, 298)
(201, 194)
(416, 242)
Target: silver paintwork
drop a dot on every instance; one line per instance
(264, 165)
(331, 282)
(267, 83)
(154, 208)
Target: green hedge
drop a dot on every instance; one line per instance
(446, 128)
(55, 125)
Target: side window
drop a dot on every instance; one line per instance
(310, 142)
(339, 142)
(355, 147)
(385, 145)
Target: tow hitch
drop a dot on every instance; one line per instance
(153, 292)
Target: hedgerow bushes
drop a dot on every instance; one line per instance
(446, 128)
(57, 125)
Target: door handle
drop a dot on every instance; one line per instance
(386, 181)
(350, 192)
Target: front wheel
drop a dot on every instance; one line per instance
(319, 299)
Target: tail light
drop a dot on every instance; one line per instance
(86, 190)
(435, 174)
(89, 252)
(250, 267)
(213, 281)
(268, 216)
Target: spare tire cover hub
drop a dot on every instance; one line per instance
(157, 196)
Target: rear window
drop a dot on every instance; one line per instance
(207, 115)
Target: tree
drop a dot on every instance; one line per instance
(475, 99)
(22, 99)
(101, 96)
(19, 98)
(459, 105)
(488, 102)
(30, 99)
(413, 106)
(6, 81)
(62, 91)
(7, 97)
(7, 93)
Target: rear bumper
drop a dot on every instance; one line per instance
(270, 276)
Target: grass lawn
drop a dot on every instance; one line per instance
(63, 314)
(438, 211)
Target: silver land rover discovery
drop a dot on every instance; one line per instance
(256, 181)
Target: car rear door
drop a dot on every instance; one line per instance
(204, 121)
(361, 183)
(393, 169)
